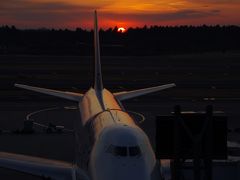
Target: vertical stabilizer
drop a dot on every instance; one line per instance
(98, 85)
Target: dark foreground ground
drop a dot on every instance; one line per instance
(201, 80)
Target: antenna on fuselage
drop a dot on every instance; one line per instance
(98, 85)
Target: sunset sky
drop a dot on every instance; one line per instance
(125, 13)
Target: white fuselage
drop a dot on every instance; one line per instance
(121, 150)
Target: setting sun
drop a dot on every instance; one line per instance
(121, 29)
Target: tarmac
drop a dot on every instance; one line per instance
(201, 79)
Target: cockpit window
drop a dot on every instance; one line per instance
(117, 150)
(134, 151)
(120, 151)
(124, 151)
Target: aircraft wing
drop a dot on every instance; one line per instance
(45, 168)
(62, 94)
(35, 166)
(140, 92)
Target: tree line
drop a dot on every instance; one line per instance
(154, 40)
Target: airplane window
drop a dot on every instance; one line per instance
(120, 151)
(134, 151)
(124, 151)
(117, 150)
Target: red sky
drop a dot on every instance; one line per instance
(126, 13)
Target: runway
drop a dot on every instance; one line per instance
(201, 79)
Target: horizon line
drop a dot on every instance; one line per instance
(115, 27)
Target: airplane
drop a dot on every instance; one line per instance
(120, 148)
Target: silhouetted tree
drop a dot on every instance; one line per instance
(153, 40)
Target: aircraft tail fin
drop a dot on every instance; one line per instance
(140, 92)
(62, 94)
(98, 84)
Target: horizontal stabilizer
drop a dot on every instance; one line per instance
(39, 166)
(62, 94)
(140, 92)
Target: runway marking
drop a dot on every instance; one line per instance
(28, 117)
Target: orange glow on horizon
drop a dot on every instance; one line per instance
(135, 13)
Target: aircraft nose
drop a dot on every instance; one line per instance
(132, 170)
(131, 176)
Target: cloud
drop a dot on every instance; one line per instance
(63, 14)
(25, 12)
(215, 2)
(188, 14)
(168, 16)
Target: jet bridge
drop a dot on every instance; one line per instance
(200, 137)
